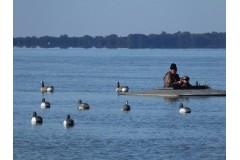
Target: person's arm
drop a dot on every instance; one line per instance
(178, 80)
(177, 83)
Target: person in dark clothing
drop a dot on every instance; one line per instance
(185, 82)
(171, 78)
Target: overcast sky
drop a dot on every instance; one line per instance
(121, 17)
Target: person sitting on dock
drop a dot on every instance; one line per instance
(171, 78)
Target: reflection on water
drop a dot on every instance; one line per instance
(176, 98)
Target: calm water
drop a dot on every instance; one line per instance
(153, 129)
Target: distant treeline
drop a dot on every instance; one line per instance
(163, 40)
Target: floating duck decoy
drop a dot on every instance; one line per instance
(83, 106)
(68, 122)
(126, 107)
(46, 88)
(184, 109)
(36, 119)
(121, 88)
(45, 104)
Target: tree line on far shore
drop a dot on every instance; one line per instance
(163, 40)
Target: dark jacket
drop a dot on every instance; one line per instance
(186, 85)
(171, 80)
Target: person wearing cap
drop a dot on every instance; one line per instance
(185, 82)
(171, 78)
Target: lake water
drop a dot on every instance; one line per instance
(153, 129)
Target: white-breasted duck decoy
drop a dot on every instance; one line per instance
(126, 107)
(184, 109)
(45, 104)
(121, 88)
(83, 106)
(46, 88)
(36, 119)
(68, 122)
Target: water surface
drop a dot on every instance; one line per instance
(153, 129)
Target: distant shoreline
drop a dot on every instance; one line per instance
(133, 41)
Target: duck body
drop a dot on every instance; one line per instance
(121, 88)
(83, 106)
(184, 109)
(126, 107)
(124, 88)
(68, 122)
(46, 88)
(36, 119)
(45, 104)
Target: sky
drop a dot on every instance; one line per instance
(121, 17)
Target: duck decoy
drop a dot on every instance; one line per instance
(36, 119)
(121, 88)
(46, 88)
(126, 107)
(83, 106)
(184, 109)
(45, 104)
(68, 122)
